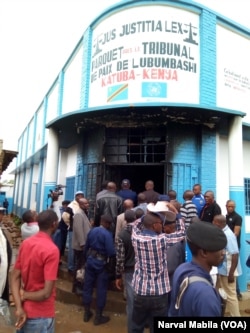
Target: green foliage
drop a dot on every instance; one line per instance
(17, 220)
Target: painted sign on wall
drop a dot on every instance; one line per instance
(146, 54)
(233, 71)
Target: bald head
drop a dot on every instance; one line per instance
(111, 186)
(128, 204)
(149, 185)
(83, 203)
(220, 221)
(141, 198)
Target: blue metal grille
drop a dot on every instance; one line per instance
(247, 195)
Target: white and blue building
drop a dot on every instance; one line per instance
(153, 90)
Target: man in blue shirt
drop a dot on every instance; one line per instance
(230, 268)
(126, 192)
(198, 198)
(199, 299)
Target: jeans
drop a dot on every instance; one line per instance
(38, 325)
(57, 239)
(146, 308)
(129, 299)
(71, 262)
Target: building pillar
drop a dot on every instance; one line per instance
(51, 169)
(236, 186)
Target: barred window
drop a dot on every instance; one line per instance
(135, 145)
(247, 195)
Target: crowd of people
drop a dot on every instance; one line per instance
(169, 258)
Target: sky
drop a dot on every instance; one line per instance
(36, 39)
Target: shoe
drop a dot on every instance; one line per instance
(87, 315)
(99, 320)
(76, 290)
(239, 296)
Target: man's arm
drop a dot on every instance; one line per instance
(39, 295)
(15, 289)
(237, 230)
(233, 267)
(120, 258)
(178, 235)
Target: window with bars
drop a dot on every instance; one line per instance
(135, 145)
(247, 195)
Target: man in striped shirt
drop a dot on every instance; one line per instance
(150, 279)
(188, 208)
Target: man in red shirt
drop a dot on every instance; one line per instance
(35, 274)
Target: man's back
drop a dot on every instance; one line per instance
(187, 211)
(108, 204)
(80, 230)
(200, 299)
(129, 256)
(38, 262)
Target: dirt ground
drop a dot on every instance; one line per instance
(69, 319)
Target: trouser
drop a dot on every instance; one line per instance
(64, 235)
(146, 308)
(78, 264)
(57, 239)
(71, 264)
(128, 276)
(230, 289)
(95, 278)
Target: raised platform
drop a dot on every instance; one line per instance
(115, 301)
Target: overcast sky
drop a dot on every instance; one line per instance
(36, 39)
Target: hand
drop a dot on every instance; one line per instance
(171, 207)
(230, 278)
(118, 284)
(21, 318)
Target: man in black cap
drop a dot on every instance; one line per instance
(199, 299)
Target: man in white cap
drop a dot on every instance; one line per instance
(150, 279)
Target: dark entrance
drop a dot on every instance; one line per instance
(138, 175)
(138, 154)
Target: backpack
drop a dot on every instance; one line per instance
(184, 285)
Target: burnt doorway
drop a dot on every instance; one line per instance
(138, 175)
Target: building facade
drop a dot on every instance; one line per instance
(153, 90)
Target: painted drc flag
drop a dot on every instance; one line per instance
(118, 92)
(154, 89)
